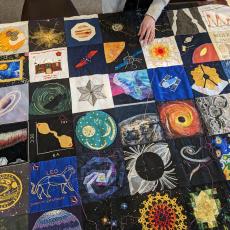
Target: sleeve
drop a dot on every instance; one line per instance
(156, 8)
(111, 6)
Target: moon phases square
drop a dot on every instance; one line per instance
(91, 93)
(14, 181)
(82, 30)
(51, 138)
(14, 104)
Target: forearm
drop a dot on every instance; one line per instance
(156, 8)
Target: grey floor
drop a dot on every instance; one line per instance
(11, 10)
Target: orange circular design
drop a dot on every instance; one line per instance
(159, 50)
(180, 119)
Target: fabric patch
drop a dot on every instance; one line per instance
(49, 98)
(65, 218)
(14, 198)
(186, 21)
(86, 60)
(216, 17)
(130, 87)
(51, 138)
(193, 158)
(53, 184)
(215, 113)
(226, 68)
(196, 49)
(102, 176)
(150, 168)
(13, 143)
(19, 222)
(14, 103)
(83, 31)
(162, 52)
(124, 56)
(14, 38)
(91, 93)
(46, 34)
(13, 70)
(180, 119)
(170, 83)
(208, 79)
(221, 42)
(48, 65)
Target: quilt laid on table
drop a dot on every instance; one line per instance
(99, 131)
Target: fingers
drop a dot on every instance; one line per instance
(143, 32)
(152, 36)
(147, 36)
(140, 30)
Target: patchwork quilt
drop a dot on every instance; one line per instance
(98, 131)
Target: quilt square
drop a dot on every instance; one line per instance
(86, 60)
(65, 218)
(194, 157)
(180, 119)
(215, 113)
(221, 42)
(186, 21)
(196, 49)
(91, 93)
(226, 68)
(162, 52)
(48, 65)
(49, 98)
(216, 17)
(170, 83)
(14, 69)
(139, 124)
(14, 38)
(53, 184)
(122, 56)
(96, 131)
(82, 30)
(102, 175)
(19, 222)
(14, 190)
(208, 79)
(117, 27)
(14, 104)
(46, 34)
(13, 143)
(51, 138)
(130, 87)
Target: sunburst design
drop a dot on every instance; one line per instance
(161, 51)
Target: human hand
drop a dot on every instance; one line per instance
(147, 30)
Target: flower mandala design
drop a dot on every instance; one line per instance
(160, 51)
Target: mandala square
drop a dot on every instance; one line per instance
(162, 52)
(96, 131)
(139, 124)
(221, 42)
(122, 56)
(186, 21)
(180, 119)
(208, 79)
(82, 30)
(14, 70)
(102, 175)
(14, 104)
(49, 98)
(196, 49)
(19, 222)
(53, 184)
(226, 68)
(117, 27)
(91, 93)
(46, 34)
(48, 65)
(14, 38)
(215, 113)
(14, 198)
(216, 18)
(14, 143)
(194, 157)
(64, 218)
(86, 60)
(170, 83)
(130, 87)
(51, 138)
